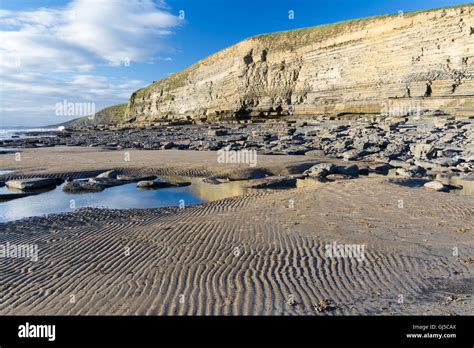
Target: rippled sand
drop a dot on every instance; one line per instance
(260, 253)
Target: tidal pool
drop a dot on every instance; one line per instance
(54, 200)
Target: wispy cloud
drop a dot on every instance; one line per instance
(70, 42)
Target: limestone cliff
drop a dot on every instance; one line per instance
(108, 116)
(422, 60)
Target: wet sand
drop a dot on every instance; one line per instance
(259, 253)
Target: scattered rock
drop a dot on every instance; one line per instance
(423, 151)
(412, 172)
(168, 145)
(217, 132)
(320, 170)
(380, 168)
(400, 164)
(350, 170)
(353, 155)
(445, 148)
(82, 186)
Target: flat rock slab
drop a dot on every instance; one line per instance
(82, 186)
(132, 178)
(436, 185)
(107, 182)
(30, 184)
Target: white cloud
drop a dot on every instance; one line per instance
(43, 92)
(74, 40)
(85, 33)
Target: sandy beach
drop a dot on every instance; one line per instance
(261, 253)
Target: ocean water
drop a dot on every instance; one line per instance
(8, 133)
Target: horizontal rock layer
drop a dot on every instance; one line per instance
(397, 64)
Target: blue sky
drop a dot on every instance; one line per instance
(99, 51)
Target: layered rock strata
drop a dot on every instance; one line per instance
(413, 63)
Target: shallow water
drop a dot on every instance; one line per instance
(118, 197)
(128, 196)
(210, 192)
(467, 185)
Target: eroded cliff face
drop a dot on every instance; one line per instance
(412, 62)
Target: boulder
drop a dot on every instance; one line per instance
(82, 187)
(412, 172)
(168, 145)
(320, 170)
(435, 185)
(31, 184)
(380, 168)
(217, 132)
(447, 161)
(423, 151)
(353, 155)
(350, 170)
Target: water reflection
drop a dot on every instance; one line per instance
(118, 197)
(456, 180)
(211, 192)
